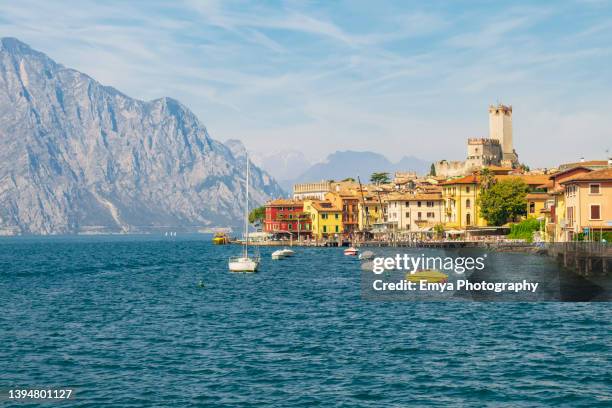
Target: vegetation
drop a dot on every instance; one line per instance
(487, 179)
(503, 201)
(379, 178)
(257, 215)
(439, 230)
(349, 179)
(432, 170)
(524, 229)
(597, 236)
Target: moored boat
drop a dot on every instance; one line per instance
(428, 275)
(244, 263)
(366, 255)
(278, 254)
(352, 251)
(287, 252)
(220, 238)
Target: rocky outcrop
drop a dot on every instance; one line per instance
(77, 156)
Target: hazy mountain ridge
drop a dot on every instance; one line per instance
(78, 156)
(344, 164)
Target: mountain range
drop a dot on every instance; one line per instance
(80, 157)
(340, 165)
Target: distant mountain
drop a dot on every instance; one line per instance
(77, 156)
(283, 165)
(344, 164)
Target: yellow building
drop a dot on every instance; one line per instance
(536, 203)
(461, 198)
(325, 217)
(461, 203)
(370, 211)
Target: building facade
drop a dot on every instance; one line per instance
(588, 203)
(286, 217)
(325, 218)
(315, 191)
(349, 203)
(414, 212)
(461, 203)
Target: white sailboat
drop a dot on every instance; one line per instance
(245, 263)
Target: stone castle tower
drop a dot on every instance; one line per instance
(500, 128)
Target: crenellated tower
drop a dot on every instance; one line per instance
(500, 128)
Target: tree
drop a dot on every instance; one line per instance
(349, 179)
(486, 179)
(379, 178)
(257, 215)
(432, 170)
(439, 230)
(503, 201)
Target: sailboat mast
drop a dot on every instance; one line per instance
(246, 210)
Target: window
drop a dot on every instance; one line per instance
(337, 215)
(419, 215)
(407, 215)
(468, 203)
(430, 215)
(594, 188)
(290, 226)
(595, 212)
(468, 219)
(531, 207)
(418, 203)
(430, 203)
(467, 189)
(324, 216)
(337, 229)
(325, 228)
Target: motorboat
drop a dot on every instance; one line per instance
(245, 263)
(352, 251)
(287, 252)
(366, 255)
(427, 275)
(278, 254)
(220, 238)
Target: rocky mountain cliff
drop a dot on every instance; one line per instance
(77, 156)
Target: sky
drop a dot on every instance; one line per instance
(394, 77)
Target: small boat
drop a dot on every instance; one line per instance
(428, 275)
(352, 251)
(244, 263)
(278, 254)
(366, 255)
(220, 238)
(287, 252)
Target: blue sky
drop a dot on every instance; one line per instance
(399, 78)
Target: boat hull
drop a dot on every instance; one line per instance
(243, 265)
(351, 251)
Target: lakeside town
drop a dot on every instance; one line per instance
(490, 196)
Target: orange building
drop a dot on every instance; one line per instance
(588, 202)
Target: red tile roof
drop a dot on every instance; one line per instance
(595, 175)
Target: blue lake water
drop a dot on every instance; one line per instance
(122, 320)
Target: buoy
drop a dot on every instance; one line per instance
(201, 284)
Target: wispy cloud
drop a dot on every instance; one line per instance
(396, 78)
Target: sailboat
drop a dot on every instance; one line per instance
(245, 263)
